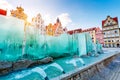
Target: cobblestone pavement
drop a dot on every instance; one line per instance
(116, 72)
(111, 72)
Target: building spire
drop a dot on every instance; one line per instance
(58, 20)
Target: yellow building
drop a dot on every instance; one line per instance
(19, 13)
(49, 29)
(111, 31)
(54, 30)
(38, 24)
(92, 32)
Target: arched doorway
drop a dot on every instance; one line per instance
(118, 45)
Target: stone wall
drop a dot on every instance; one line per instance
(7, 67)
(93, 72)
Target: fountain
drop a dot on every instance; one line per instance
(11, 38)
(74, 61)
(21, 75)
(34, 46)
(41, 72)
(23, 50)
(57, 66)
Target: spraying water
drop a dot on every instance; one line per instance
(25, 73)
(22, 74)
(40, 71)
(74, 61)
(55, 65)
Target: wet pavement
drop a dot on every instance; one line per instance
(112, 71)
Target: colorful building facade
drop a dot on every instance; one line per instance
(54, 30)
(96, 34)
(19, 13)
(111, 32)
(38, 23)
(92, 32)
(49, 29)
(99, 35)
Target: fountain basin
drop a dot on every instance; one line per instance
(7, 67)
(94, 66)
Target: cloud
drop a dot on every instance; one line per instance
(6, 6)
(65, 19)
(73, 26)
(48, 19)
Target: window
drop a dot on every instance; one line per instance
(117, 40)
(115, 31)
(110, 23)
(109, 41)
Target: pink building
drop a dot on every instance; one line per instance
(96, 34)
(99, 35)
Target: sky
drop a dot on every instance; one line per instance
(73, 14)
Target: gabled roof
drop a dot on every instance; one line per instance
(115, 19)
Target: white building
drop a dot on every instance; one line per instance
(111, 32)
(38, 23)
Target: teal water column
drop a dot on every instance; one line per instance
(82, 44)
(11, 38)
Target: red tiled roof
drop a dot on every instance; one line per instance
(70, 32)
(3, 12)
(89, 29)
(103, 22)
(73, 31)
(115, 19)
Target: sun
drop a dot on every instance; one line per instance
(29, 19)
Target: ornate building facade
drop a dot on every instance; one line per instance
(111, 32)
(54, 30)
(38, 23)
(19, 13)
(49, 30)
(57, 28)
